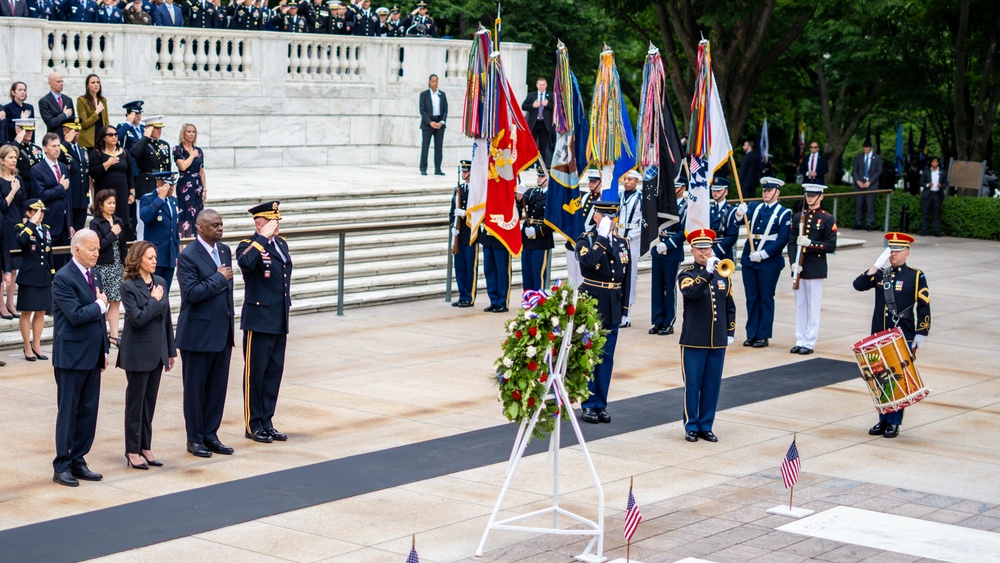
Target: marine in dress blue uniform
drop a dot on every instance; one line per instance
(496, 267)
(667, 257)
(467, 257)
(770, 227)
(604, 262)
(536, 236)
(722, 218)
(819, 238)
(709, 326)
(267, 276)
(902, 300)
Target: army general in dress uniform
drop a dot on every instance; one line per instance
(902, 300)
(819, 238)
(709, 326)
(604, 259)
(267, 275)
(151, 154)
(467, 256)
(536, 236)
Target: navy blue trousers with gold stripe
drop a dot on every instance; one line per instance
(701, 369)
(467, 272)
(533, 262)
(601, 382)
(264, 355)
(496, 266)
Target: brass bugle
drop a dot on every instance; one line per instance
(725, 268)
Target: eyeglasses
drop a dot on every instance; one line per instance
(111, 135)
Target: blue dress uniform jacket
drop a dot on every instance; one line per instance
(727, 229)
(267, 276)
(159, 217)
(77, 160)
(84, 11)
(200, 16)
(770, 228)
(662, 302)
(535, 249)
(29, 155)
(467, 257)
(36, 260)
(114, 17)
(821, 228)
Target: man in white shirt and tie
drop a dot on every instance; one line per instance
(933, 187)
(866, 172)
(158, 212)
(538, 107)
(814, 166)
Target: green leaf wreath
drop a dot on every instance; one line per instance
(533, 337)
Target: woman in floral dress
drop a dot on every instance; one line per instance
(191, 190)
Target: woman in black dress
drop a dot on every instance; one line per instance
(111, 169)
(17, 108)
(11, 208)
(110, 262)
(34, 285)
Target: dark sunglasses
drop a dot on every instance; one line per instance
(111, 134)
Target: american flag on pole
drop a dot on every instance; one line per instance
(412, 558)
(632, 516)
(790, 466)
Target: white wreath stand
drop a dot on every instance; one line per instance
(554, 389)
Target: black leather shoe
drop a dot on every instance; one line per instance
(83, 472)
(805, 351)
(870, 228)
(490, 309)
(454, 303)
(439, 173)
(66, 479)
(691, 436)
(708, 436)
(135, 465)
(760, 343)
(464, 304)
(749, 341)
(217, 447)
(198, 450)
(262, 436)
(590, 416)
(423, 172)
(891, 431)
(795, 350)
(278, 436)
(655, 329)
(877, 429)
(500, 309)
(666, 330)
(857, 227)
(603, 416)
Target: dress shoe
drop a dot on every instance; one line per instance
(877, 429)
(923, 233)
(135, 465)
(666, 330)
(590, 416)
(217, 447)
(84, 472)
(870, 228)
(857, 227)
(277, 436)
(655, 329)
(749, 341)
(439, 173)
(760, 343)
(625, 324)
(691, 436)
(500, 309)
(805, 351)
(65, 478)
(198, 450)
(603, 416)
(30, 358)
(795, 350)
(708, 436)
(891, 431)
(489, 309)
(937, 235)
(38, 354)
(464, 304)
(454, 303)
(16, 315)
(152, 462)
(423, 172)
(261, 436)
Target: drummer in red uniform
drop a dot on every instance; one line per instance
(902, 300)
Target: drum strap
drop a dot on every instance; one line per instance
(889, 295)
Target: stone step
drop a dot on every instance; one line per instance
(290, 210)
(243, 223)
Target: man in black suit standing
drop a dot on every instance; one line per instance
(55, 107)
(20, 9)
(79, 355)
(205, 333)
(433, 114)
(866, 173)
(814, 166)
(749, 170)
(538, 107)
(50, 182)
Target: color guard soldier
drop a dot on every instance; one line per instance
(723, 220)
(467, 257)
(818, 239)
(394, 25)
(267, 274)
(587, 201)
(770, 228)
(902, 300)
(709, 326)
(667, 257)
(151, 154)
(630, 227)
(29, 154)
(496, 267)
(77, 160)
(604, 262)
(536, 236)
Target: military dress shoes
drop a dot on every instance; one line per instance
(262, 436)
(590, 416)
(490, 309)
(500, 309)
(891, 431)
(603, 416)
(749, 341)
(666, 330)
(805, 351)
(423, 172)
(84, 473)
(218, 447)
(454, 303)
(198, 450)
(795, 350)
(877, 429)
(464, 304)
(277, 436)
(655, 329)
(760, 343)
(66, 479)
(439, 173)
(691, 436)
(708, 436)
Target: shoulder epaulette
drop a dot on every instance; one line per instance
(246, 240)
(63, 147)
(688, 269)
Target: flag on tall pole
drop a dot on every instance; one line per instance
(563, 199)
(709, 143)
(802, 141)
(659, 149)
(796, 147)
(765, 144)
(922, 145)
(611, 145)
(900, 157)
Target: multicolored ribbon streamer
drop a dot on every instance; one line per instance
(607, 130)
(650, 123)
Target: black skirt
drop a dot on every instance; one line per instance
(31, 298)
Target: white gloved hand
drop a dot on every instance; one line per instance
(918, 341)
(529, 232)
(755, 256)
(661, 247)
(520, 189)
(605, 227)
(796, 269)
(459, 213)
(741, 210)
(713, 261)
(729, 340)
(803, 241)
(883, 259)
(454, 231)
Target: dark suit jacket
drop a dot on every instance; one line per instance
(78, 160)
(45, 187)
(205, 323)
(267, 279)
(874, 170)
(822, 167)
(426, 108)
(109, 239)
(161, 15)
(160, 222)
(925, 182)
(750, 172)
(148, 336)
(50, 111)
(20, 9)
(532, 112)
(79, 335)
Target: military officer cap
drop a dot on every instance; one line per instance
(27, 124)
(382, 11)
(72, 123)
(898, 241)
(813, 188)
(135, 106)
(292, 6)
(681, 182)
(701, 238)
(593, 174)
(166, 177)
(268, 210)
(154, 121)
(541, 172)
(394, 10)
(36, 204)
(422, 4)
(465, 165)
(719, 183)
(634, 174)
(606, 208)
(770, 183)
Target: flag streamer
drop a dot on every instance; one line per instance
(562, 117)
(607, 128)
(654, 81)
(709, 143)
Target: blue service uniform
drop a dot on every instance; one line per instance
(604, 265)
(709, 321)
(663, 302)
(496, 266)
(82, 11)
(535, 250)
(910, 312)
(159, 217)
(467, 258)
(723, 221)
(770, 227)
(267, 275)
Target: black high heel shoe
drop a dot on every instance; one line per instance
(133, 466)
(38, 355)
(152, 462)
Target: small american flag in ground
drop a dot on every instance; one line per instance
(790, 466)
(632, 516)
(412, 557)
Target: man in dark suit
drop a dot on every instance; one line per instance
(205, 333)
(79, 355)
(77, 160)
(749, 170)
(54, 107)
(50, 182)
(14, 8)
(814, 166)
(866, 173)
(167, 14)
(158, 212)
(934, 187)
(267, 275)
(538, 107)
(433, 114)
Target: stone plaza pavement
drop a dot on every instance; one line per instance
(386, 376)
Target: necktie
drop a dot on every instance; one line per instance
(59, 97)
(12, 12)
(868, 163)
(90, 281)
(215, 256)
(541, 108)
(55, 167)
(277, 250)
(812, 163)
